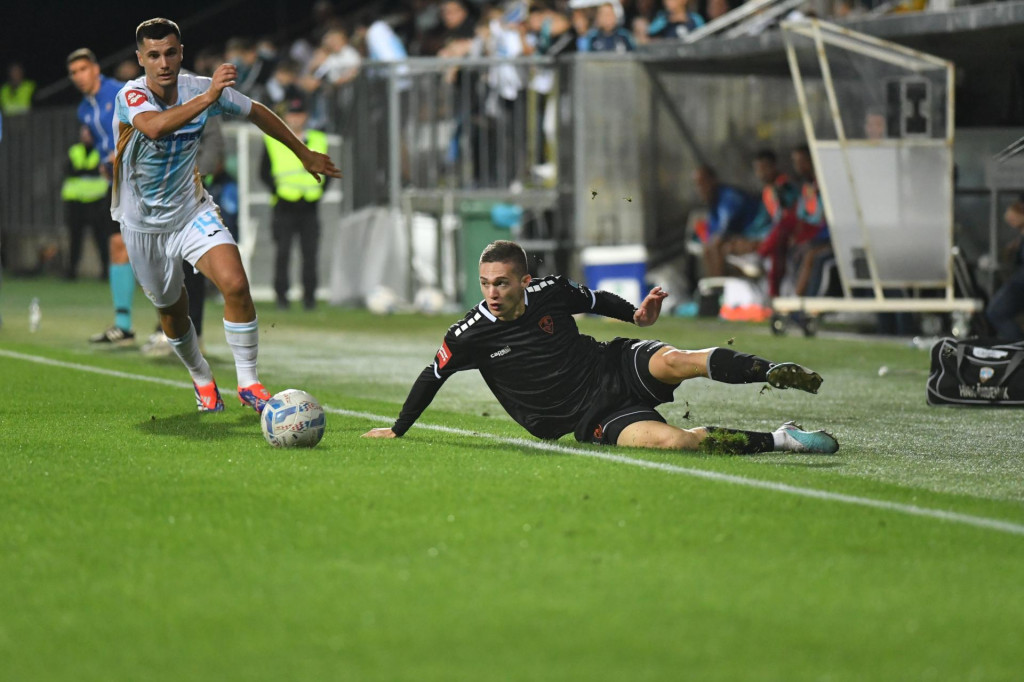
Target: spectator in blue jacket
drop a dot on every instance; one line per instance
(675, 21)
(607, 35)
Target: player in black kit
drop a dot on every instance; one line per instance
(553, 380)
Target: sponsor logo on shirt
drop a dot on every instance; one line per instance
(547, 324)
(135, 98)
(504, 351)
(443, 355)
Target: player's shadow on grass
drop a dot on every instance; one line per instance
(202, 427)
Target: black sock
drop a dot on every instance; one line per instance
(735, 442)
(731, 367)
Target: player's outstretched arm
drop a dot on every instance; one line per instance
(270, 123)
(157, 124)
(649, 310)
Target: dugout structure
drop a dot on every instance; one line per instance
(881, 138)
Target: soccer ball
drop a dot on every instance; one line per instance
(382, 301)
(292, 418)
(429, 300)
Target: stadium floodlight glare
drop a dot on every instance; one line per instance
(879, 122)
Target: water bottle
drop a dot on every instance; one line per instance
(34, 315)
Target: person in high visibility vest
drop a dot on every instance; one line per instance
(295, 202)
(16, 94)
(85, 207)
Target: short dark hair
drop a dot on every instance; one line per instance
(505, 251)
(81, 53)
(766, 155)
(155, 29)
(802, 149)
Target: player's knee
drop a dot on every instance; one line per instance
(685, 364)
(235, 287)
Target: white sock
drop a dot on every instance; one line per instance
(780, 440)
(244, 340)
(187, 348)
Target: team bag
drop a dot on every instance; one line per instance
(976, 372)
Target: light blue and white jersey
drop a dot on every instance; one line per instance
(157, 187)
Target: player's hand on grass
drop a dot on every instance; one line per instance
(319, 164)
(223, 77)
(380, 433)
(649, 310)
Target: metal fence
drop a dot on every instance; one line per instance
(33, 154)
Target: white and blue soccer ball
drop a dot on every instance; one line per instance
(292, 418)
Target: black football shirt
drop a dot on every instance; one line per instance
(542, 370)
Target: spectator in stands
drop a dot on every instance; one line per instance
(336, 62)
(1007, 303)
(549, 33)
(383, 44)
(295, 203)
(732, 215)
(457, 25)
(778, 197)
(607, 34)
(83, 193)
(675, 21)
(582, 19)
(16, 94)
(284, 78)
(253, 70)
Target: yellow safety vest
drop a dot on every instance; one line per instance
(86, 185)
(14, 101)
(292, 182)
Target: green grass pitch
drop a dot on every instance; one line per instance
(140, 541)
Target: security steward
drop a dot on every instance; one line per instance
(84, 193)
(297, 195)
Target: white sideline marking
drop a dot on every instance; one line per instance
(910, 509)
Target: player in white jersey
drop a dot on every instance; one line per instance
(166, 215)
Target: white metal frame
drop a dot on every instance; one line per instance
(822, 33)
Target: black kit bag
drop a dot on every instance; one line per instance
(976, 372)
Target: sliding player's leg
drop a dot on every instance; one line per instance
(712, 439)
(671, 366)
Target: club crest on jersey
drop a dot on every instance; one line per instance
(547, 324)
(135, 98)
(443, 355)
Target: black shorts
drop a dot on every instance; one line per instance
(609, 428)
(628, 393)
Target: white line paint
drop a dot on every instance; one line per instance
(899, 507)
